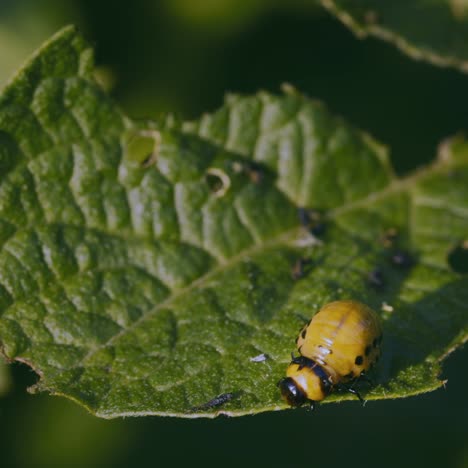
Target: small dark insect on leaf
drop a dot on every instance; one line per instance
(303, 215)
(311, 219)
(402, 259)
(253, 171)
(318, 229)
(215, 402)
(255, 175)
(376, 279)
(308, 216)
(298, 269)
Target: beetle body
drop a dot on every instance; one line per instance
(338, 345)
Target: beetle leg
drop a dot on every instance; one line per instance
(355, 392)
(366, 378)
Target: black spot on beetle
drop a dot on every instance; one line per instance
(359, 360)
(367, 350)
(304, 333)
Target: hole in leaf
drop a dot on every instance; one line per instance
(142, 146)
(458, 258)
(218, 181)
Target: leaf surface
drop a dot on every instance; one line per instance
(149, 268)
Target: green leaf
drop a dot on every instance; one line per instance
(425, 30)
(5, 378)
(147, 269)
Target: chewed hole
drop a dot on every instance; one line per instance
(142, 146)
(218, 181)
(458, 257)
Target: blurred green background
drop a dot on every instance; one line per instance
(183, 56)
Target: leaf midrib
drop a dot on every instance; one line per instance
(253, 250)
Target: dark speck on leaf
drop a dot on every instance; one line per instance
(303, 215)
(458, 258)
(312, 220)
(298, 269)
(318, 229)
(215, 402)
(402, 259)
(376, 279)
(252, 170)
(255, 175)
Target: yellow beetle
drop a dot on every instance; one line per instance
(338, 345)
